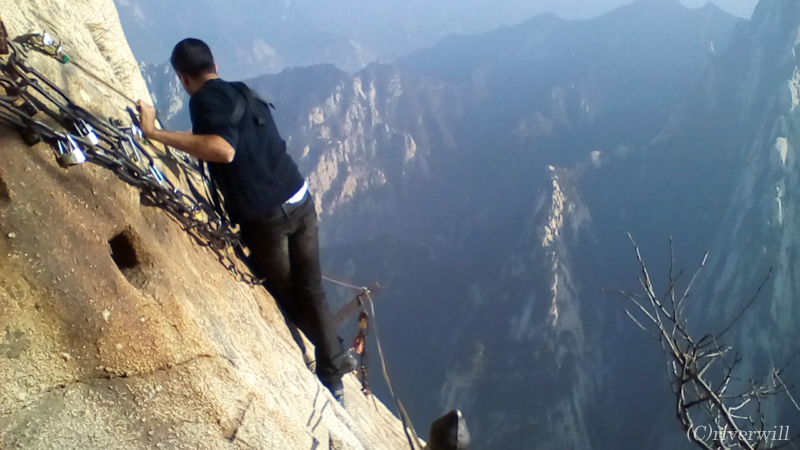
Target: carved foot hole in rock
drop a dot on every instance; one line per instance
(127, 258)
(5, 196)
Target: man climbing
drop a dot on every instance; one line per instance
(234, 132)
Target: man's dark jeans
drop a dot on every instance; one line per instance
(284, 247)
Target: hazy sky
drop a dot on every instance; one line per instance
(264, 36)
(590, 8)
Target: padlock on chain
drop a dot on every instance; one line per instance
(69, 153)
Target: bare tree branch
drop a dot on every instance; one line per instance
(737, 417)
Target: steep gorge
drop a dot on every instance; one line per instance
(475, 180)
(489, 182)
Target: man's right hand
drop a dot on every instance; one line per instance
(148, 118)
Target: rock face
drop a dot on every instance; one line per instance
(117, 331)
(758, 228)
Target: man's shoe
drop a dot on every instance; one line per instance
(338, 394)
(348, 362)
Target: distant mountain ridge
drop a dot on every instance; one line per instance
(256, 37)
(250, 37)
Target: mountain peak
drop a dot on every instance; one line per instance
(659, 2)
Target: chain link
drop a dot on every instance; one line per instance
(32, 103)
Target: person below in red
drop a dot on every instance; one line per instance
(234, 132)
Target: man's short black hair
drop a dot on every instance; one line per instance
(192, 57)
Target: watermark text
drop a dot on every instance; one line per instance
(709, 433)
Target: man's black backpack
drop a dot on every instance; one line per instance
(246, 98)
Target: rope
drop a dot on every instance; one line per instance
(344, 283)
(102, 81)
(408, 427)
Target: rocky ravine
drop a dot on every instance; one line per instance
(759, 225)
(488, 182)
(475, 180)
(162, 349)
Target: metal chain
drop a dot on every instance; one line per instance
(110, 143)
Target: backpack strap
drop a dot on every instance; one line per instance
(213, 191)
(238, 112)
(248, 98)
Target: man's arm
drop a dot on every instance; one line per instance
(209, 147)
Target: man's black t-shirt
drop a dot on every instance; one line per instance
(262, 176)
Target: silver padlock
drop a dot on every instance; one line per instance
(131, 149)
(87, 131)
(70, 153)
